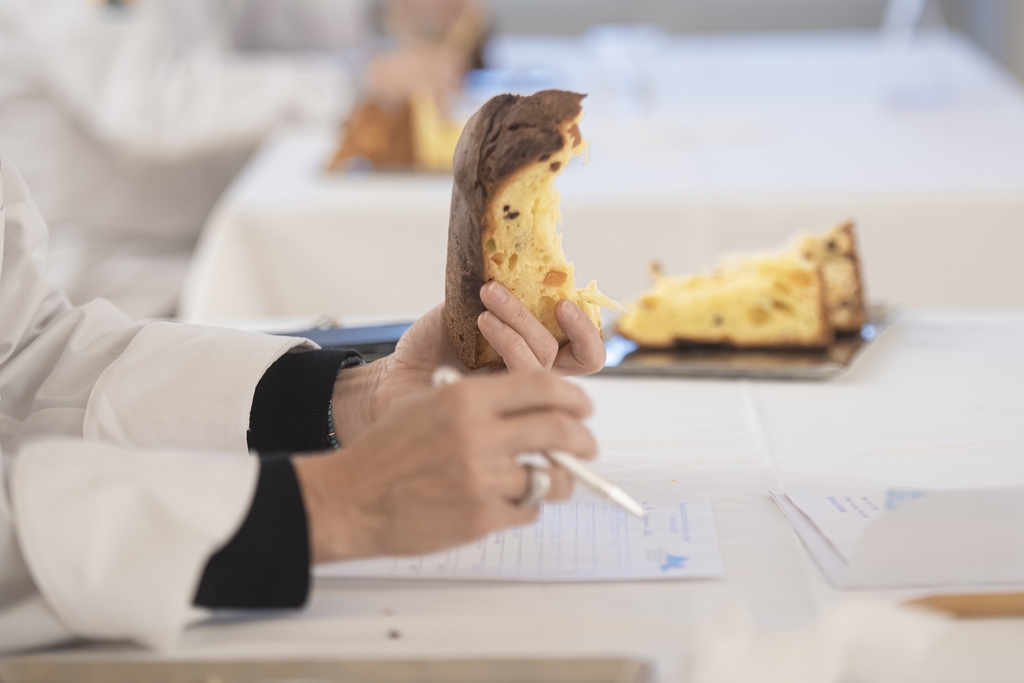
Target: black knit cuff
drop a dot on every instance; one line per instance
(291, 404)
(266, 563)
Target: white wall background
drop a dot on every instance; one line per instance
(997, 25)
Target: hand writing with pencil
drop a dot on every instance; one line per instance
(440, 467)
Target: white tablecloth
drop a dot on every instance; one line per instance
(937, 401)
(729, 143)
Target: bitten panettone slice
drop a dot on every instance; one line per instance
(836, 253)
(773, 300)
(504, 216)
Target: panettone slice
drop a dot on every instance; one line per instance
(768, 301)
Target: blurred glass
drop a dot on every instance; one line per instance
(915, 80)
(626, 57)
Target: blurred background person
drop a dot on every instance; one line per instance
(128, 123)
(129, 119)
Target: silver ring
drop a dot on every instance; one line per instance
(537, 490)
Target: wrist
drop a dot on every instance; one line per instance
(353, 403)
(330, 493)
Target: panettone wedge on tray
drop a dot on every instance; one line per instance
(797, 298)
(775, 300)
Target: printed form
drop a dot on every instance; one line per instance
(840, 517)
(900, 538)
(572, 541)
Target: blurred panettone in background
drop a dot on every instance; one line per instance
(401, 121)
(379, 131)
(410, 134)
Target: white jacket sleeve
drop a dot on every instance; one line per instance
(89, 372)
(114, 540)
(25, 618)
(99, 537)
(161, 84)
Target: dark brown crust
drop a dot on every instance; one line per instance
(828, 335)
(508, 133)
(859, 294)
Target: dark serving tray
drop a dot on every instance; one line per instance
(625, 357)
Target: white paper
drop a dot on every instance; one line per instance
(828, 558)
(840, 517)
(879, 539)
(572, 541)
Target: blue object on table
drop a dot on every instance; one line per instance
(373, 341)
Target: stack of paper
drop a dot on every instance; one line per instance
(892, 538)
(573, 541)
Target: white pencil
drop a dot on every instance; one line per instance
(571, 464)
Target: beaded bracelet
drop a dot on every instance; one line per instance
(353, 358)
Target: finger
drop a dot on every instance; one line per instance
(509, 344)
(519, 485)
(515, 515)
(543, 432)
(511, 395)
(515, 315)
(584, 354)
(561, 484)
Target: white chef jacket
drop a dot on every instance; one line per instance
(136, 124)
(129, 125)
(123, 451)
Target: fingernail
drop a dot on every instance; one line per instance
(496, 292)
(490, 320)
(570, 311)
